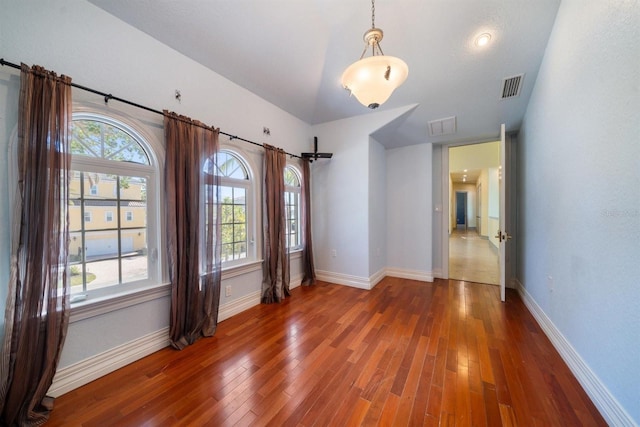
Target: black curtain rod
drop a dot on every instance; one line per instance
(108, 97)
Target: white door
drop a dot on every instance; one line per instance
(503, 234)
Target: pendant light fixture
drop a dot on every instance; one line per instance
(372, 80)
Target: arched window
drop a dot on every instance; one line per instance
(236, 210)
(292, 207)
(112, 208)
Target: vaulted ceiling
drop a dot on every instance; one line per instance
(293, 52)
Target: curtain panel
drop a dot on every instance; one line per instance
(308, 269)
(193, 228)
(37, 310)
(275, 284)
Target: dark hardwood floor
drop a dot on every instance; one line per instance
(404, 353)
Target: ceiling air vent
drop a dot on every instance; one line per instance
(446, 126)
(511, 86)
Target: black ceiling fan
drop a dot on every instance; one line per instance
(315, 155)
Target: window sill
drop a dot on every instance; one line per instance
(96, 307)
(240, 269)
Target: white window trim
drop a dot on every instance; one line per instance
(152, 174)
(106, 216)
(250, 202)
(298, 190)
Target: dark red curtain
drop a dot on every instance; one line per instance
(37, 310)
(308, 269)
(275, 284)
(193, 229)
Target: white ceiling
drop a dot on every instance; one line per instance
(293, 52)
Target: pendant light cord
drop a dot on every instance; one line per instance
(373, 13)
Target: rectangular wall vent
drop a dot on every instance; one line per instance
(511, 86)
(446, 126)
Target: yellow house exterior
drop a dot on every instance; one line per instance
(114, 218)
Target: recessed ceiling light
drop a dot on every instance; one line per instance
(483, 39)
(465, 170)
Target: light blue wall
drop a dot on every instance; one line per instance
(579, 203)
(409, 203)
(377, 207)
(341, 199)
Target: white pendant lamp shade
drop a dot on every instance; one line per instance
(372, 80)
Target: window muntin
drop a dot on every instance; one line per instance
(99, 139)
(235, 206)
(292, 207)
(109, 188)
(229, 165)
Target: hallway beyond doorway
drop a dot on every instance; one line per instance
(472, 258)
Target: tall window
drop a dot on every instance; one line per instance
(235, 190)
(110, 249)
(292, 207)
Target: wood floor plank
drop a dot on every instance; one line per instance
(491, 406)
(404, 353)
(408, 397)
(389, 411)
(419, 410)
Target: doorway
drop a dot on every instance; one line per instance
(461, 210)
(473, 251)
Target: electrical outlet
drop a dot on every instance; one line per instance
(334, 253)
(550, 283)
(227, 291)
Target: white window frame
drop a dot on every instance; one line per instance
(108, 216)
(93, 190)
(249, 186)
(298, 192)
(128, 216)
(151, 173)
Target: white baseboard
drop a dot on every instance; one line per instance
(607, 404)
(246, 302)
(238, 305)
(423, 276)
(376, 278)
(85, 371)
(370, 282)
(344, 279)
(296, 281)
